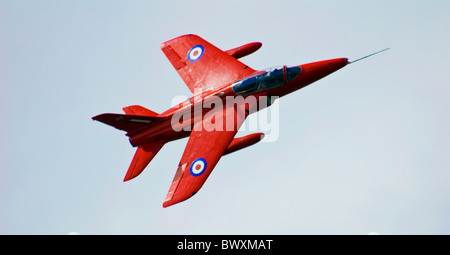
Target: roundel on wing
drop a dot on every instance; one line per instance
(198, 167)
(195, 53)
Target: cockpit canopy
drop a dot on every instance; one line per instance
(271, 78)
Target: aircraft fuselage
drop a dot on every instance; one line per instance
(274, 83)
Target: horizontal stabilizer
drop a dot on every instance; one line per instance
(125, 122)
(142, 157)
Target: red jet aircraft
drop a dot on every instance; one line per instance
(213, 76)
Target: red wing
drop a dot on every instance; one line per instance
(202, 152)
(201, 65)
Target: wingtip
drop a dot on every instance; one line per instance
(168, 203)
(131, 174)
(127, 178)
(170, 200)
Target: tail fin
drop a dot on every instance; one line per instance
(139, 110)
(136, 117)
(142, 157)
(125, 122)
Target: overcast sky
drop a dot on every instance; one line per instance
(367, 149)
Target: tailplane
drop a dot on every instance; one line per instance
(144, 154)
(136, 117)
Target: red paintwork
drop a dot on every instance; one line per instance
(209, 73)
(213, 69)
(243, 142)
(144, 154)
(244, 50)
(310, 73)
(139, 110)
(204, 144)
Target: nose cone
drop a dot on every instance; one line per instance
(312, 72)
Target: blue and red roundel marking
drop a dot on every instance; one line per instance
(198, 167)
(195, 53)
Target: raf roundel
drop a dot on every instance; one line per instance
(195, 53)
(198, 167)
